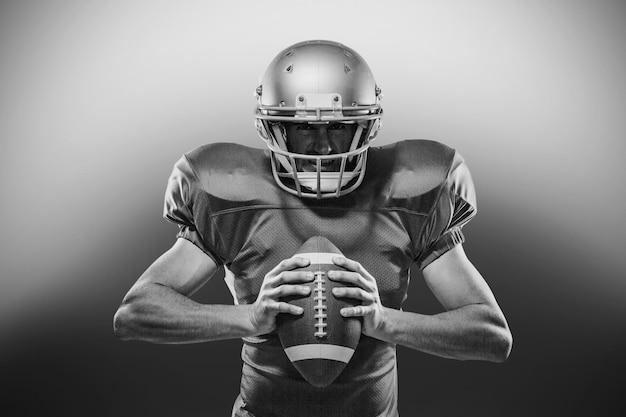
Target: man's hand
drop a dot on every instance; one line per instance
(280, 282)
(365, 290)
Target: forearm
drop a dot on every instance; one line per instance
(158, 314)
(476, 332)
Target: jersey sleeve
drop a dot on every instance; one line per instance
(455, 207)
(186, 207)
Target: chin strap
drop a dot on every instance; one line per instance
(357, 137)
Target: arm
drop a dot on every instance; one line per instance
(473, 327)
(158, 309)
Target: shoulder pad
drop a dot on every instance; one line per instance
(415, 167)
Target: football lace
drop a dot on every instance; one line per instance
(320, 307)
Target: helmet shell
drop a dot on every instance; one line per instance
(318, 82)
(318, 67)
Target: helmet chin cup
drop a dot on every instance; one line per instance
(318, 82)
(325, 182)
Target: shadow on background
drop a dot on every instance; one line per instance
(567, 351)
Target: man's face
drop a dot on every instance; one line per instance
(319, 139)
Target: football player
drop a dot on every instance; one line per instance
(387, 208)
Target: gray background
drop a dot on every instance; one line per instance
(98, 99)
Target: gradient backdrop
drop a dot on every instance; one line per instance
(98, 99)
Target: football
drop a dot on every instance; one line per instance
(319, 342)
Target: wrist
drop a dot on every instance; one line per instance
(251, 324)
(384, 329)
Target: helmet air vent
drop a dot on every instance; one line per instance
(289, 68)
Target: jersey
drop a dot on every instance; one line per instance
(410, 208)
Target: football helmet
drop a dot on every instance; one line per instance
(318, 82)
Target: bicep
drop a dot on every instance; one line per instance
(183, 268)
(456, 282)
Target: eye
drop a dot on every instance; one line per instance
(304, 126)
(337, 126)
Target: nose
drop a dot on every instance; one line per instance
(322, 144)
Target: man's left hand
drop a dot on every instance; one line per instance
(365, 289)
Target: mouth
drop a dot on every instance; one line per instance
(310, 165)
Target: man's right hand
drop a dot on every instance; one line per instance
(282, 281)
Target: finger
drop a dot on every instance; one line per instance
(358, 311)
(287, 290)
(289, 264)
(345, 276)
(353, 278)
(353, 266)
(290, 277)
(355, 293)
(348, 264)
(282, 307)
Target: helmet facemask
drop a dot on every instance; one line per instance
(287, 97)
